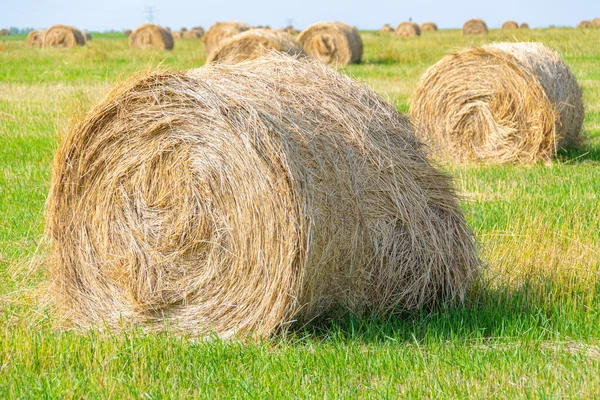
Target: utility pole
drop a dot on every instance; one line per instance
(149, 13)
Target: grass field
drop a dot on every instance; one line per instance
(532, 330)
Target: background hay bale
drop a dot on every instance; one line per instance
(127, 32)
(252, 44)
(291, 30)
(584, 24)
(192, 34)
(332, 43)
(63, 36)
(4, 32)
(428, 27)
(87, 35)
(239, 198)
(149, 36)
(595, 23)
(35, 38)
(475, 26)
(508, 25)
(524, 25)
(199, 29)
(387, 28)
(176, 35)
(222, 31)
(407, 29)
(505, 102)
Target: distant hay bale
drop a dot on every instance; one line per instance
(151, 36)
(428, 27)
(474, 26)
(238, 199)
(407, 29)
(252, 44)
(63, 36)
(222, 31)
(387, 28)
(524, 25)
(192, 34)
(4, 32)
(127, 32)
(332, 43)
(35, 38)
(504, 102)
(176, 35)
(291, 30)
(183, 29)
(88, 36)
(595, 23)
(584, 24)
(199, 29)
(508, 25)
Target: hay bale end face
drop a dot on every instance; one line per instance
(407, 29)
(500, 103)
(475, 26)
(509, 25)
(35, 38)
(387, 28)
(237, 199)
(428, 27)
(333, 43)
(524, 25)
(222, 31)
(63, 36)
(150, 36)
(254, 43)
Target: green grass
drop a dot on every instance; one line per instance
(531, 330)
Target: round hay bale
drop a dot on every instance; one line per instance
(475, 26)
(407, 29)
(595, 23)
(524, 25)
(504, 102)
(183, 29)
(584, 24)
(4, 32)
(149, 36)
(192, 34)
(63, 36)
(34, 38)
(199, 29)
(176, 35)
(88, 36)
(291, 30)
(252, 44)
(240, 198)
(332, 43)
(127, 32)
(428, 27)
(222, 31)
(508, 25)
(387, 28)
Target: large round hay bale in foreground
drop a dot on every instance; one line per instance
(241, 198)
(509, 25)
(475, 26)
(584, 24)
(387, 28)
(63, 36)
(428, 27)
(222, 31)
(150, 36)
(504, 102)
(252, 44)
(407, 29)
(333, 43)
(595, 23)
(34, 38)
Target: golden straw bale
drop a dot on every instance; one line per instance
(238, 199)
(332, 43)
(407, 29)
(63, 36)
(127, 32)
(254, 43)
(35, 38)
(4, 32)
(176, 35)
(504, 102)
(524, 25)
(584, 24)
(192, 34)
(87, 35)
(222, 31)
(428, 27)
(387, 28)
(474, 26)
(595, 23)
(508, 25)
(151, 36)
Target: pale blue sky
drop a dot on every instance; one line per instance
(97, 15)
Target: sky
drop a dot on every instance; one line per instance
(100, 15)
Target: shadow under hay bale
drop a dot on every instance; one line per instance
(474, 26)
(505, 102)
(150, 36)
(254, 43)
(35, 38)
(407, 29)
(240, 198)
(222, 31)
(63, 36)
(428, 27)
(333, 43)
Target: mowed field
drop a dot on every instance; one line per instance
(532, 329)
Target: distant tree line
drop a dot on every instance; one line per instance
(15, 31)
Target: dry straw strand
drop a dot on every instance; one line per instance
(333, 43)
(504, 102)
(222, 31)
(428, 27)
(241, 198)
(475, 26)
(63, 36)
(407, 29)
(151, 36)
(509, 25)
(35, 38)
(254, 43)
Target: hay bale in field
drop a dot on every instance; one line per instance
(332, 43)
(176, 35)
(407, 29)
(387, 28)
(524, 25)
(475, 26)
(198, 29)
(291, 30)
(151, 36)
(595, 23)
(584, 24)
(428, 27)
(252, 44)
(192, 34)
(222, 31)
(4, 32)
(504, 102)
(88, 36)
(63, 36)
(35, 38)
(240, 198)
(127, 32)
(508, 25)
